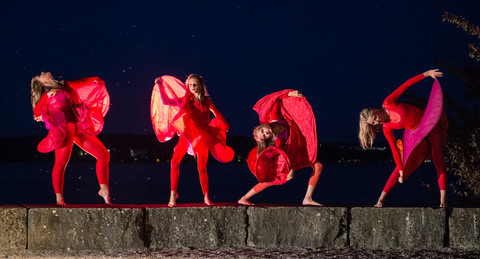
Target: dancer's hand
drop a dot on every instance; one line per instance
(38, 119)
(157, 80)
(296, 93)
(433, 73)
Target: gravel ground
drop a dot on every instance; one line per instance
(249, 253)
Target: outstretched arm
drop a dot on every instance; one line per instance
(393, 97)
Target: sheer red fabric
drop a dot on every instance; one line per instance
(84, 102)
(172, 111)
(167, 98)
(300, 149)
(424, 141)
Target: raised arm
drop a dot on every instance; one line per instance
(393, 97)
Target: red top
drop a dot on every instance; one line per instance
(173, 110)
(300, 148)
(84, 102)
(402, 116)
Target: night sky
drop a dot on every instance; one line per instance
(343, 55)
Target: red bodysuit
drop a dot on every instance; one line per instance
(74, 114)
(173, 110)
(424, 135)
(296, 147)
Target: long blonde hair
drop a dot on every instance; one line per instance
(37, 89)
(367, 132)
(262, 144)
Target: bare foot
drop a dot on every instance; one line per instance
(173, 199)
(310, 202)
(443, 205)
(245, 202)
(105, 194)
(291, 175)
(60, 201)
(379, 204)
(207, 200)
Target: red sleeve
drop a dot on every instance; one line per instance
(37, 111)
(388, 132)
(393, 97)
(218, 114)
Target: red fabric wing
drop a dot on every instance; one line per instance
(301, 146)
(91, 103)
(166, 101)
(272, 166)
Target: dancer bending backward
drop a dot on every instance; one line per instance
(186, 111)
(73, 112)
(424, 136)
(286, 142)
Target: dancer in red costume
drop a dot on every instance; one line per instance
(286, 142)
(186, 111)
(73, 112)
(424, 136)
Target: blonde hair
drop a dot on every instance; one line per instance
(37, 89)
(367, 132)
(262, 144)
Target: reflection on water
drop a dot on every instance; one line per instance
(351, 184)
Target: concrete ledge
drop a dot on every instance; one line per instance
(85, 228)
(196, 227)
(464, 228)
(98, 227)
(13, 228)
(279, 227)
(374, 228)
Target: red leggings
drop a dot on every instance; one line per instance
(435, 140)
(178, 153)
(317, 170)
(90, 144)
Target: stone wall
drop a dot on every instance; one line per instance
(100, 227)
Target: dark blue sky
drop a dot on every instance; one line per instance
(343, 55)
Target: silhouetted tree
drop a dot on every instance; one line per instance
(463, 147)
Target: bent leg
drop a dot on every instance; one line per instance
(391, 182)
(62, 156)
(93, 146)
(312, 183)
(256, 189)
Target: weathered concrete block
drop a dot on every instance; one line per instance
(374, 228)
(197, 227)
(278, 227)
(464, 227)
(13, 228)
(85, 228)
